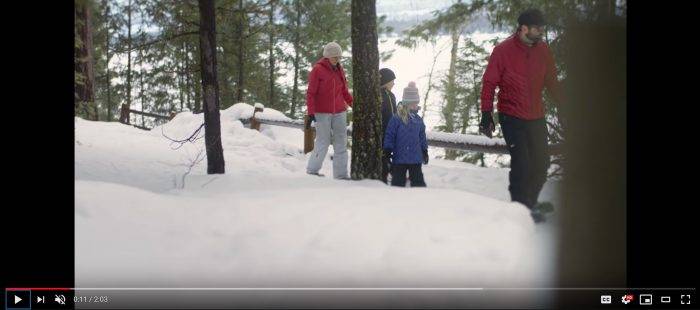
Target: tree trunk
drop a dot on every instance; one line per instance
(239, 34)
(141, 72)
(449, 109)
(188, 80)
(297, 57)
(108, 87)
(295, 87)
(197, 89)
(190, 87)
(197, 97)
(366, 125)
(465, 119)
(109, 83)
(181, 80)
(128, 57)
(430, 84)
(210, 87)
(271, 100)
(85, 90)
(592, 220)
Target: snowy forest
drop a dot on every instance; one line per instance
(144, 54)
(168, 100)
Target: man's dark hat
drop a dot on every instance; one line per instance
(531, 17)
(386, 76)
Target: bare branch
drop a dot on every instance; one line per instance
(192, 162)
(179, 143)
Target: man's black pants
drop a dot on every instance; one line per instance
(398, 175)
(529, 160)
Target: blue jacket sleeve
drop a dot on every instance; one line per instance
(390, 135)
(421, 135)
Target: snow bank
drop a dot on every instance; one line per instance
(245, 111)
(303, 234)
(267, 223)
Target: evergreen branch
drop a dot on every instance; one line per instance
(161, 40)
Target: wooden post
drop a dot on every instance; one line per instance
(124, 114)
(254, 123)
(309, 135)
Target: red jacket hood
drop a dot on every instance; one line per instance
(327, 64)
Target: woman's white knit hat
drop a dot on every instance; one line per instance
(332, 50)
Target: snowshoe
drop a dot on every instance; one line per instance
(540, 211)
(544, 207)
(316, 174)
(538, 216)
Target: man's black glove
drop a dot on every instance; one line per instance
(425, 157)
(487, 126)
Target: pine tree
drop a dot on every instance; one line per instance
(106, 25)
(293, 13)
(247, 70)
(129, 42)
(469, 70)
(450, 93)
(272, 41)
(84, 62)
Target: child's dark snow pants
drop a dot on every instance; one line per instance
(398, 175)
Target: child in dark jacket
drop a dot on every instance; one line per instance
(386, 83)
(405, 144)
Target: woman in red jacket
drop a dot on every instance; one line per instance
(327, 99)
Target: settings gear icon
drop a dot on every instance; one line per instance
(626, 299)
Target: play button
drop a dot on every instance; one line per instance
(17, 300)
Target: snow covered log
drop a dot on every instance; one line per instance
(454, 141)
(284, 123)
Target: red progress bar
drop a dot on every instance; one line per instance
(38, 289)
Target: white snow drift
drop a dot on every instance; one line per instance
(140, 223)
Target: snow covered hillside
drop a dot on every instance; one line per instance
(267, 223)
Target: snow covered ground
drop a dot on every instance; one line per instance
(267, 223)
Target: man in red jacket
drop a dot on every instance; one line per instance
(521, 66)
(327, 99)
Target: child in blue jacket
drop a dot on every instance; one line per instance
(404, 141)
